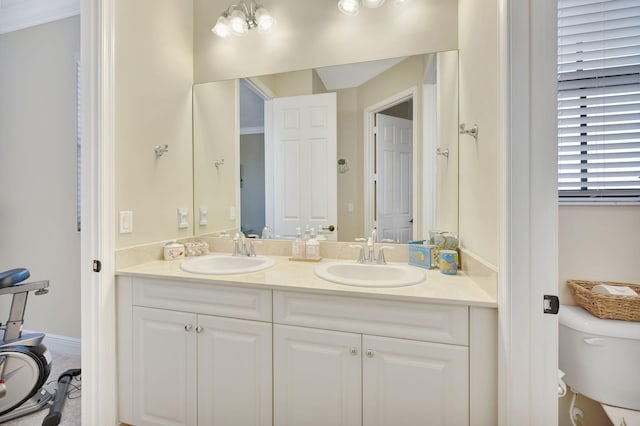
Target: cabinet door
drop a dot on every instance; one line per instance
(317, 377)
(164, 367)
(410, 383)
(234, 372)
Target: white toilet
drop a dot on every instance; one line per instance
(601, 357)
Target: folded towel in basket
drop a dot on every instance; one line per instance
(614, 290)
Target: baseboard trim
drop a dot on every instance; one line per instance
(63, 344)
(60, 344)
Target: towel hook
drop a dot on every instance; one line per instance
(444, 152)
(471, 132)
(218, 163)
(160, 149)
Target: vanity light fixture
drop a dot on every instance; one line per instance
(352, 7)
(239, 18)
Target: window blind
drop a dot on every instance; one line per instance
(599, 100)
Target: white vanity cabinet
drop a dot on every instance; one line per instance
(330, 374)
(203, 353)
(178, 366)
(324, 377)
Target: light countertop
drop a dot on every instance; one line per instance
(295, 275)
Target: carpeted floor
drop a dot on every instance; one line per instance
(71, 412)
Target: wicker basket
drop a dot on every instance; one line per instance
(625, 308)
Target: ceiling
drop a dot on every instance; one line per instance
(353, 75)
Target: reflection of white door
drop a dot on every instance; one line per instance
(304, 170)
(394, 178)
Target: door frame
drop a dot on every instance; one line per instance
(369, 160)
(528, 209)
(97, 239)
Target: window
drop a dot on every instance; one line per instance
(599, 100)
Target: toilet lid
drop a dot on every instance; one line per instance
(580, 319)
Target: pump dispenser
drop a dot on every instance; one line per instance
(313, 246)
(299, 247)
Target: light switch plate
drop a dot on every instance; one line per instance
(232, 212)
(204, 216)
(183, 217)
(126, 222)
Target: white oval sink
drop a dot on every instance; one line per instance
(220, 264)
(366, 275)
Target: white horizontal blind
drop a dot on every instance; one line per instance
(599, 100)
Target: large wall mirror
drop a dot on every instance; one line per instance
(340, 149)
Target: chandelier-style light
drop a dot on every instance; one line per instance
(238, 19)
(352, 7)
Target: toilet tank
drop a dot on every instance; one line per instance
(601, 357)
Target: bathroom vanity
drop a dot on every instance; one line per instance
(284, 347)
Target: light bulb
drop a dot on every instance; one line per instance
(372, 3)
(264, 19)
(238, 22)
(349, 7)
(221, 29)
(399, 2)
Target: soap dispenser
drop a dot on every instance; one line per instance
(299, 247)
(313, 246)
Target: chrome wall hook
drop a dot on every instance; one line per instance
(218, 163)
(160, 149)
(444, 152)
(471, 132)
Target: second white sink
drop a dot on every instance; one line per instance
(370, 275)
(220, 264)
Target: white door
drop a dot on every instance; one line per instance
(164, 367)
(234, 372)
(317, 377)
(406, 383)
(394, 178)
(303, 165)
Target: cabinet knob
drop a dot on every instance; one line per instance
(370, 353)
(199, 329)
(188, 327)
(353, 351)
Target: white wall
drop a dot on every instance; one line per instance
(38, 170)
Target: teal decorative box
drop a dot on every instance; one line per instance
(421, 255)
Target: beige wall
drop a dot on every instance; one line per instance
(153, 79)
(38, 170)
(598, 243)
(478, 161)
(216, 136)
(447, 167)
(350, 224)
(162, 45)
(310, 34)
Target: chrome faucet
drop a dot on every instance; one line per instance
(370, 257)
(241, 247)
(371, 246)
